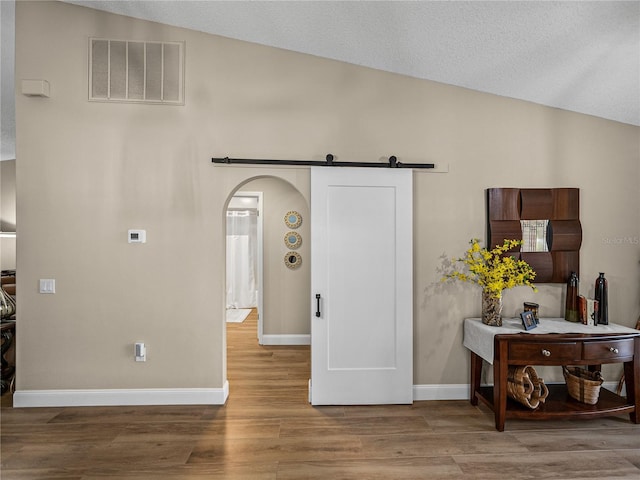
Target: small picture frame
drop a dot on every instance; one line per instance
(528, 320)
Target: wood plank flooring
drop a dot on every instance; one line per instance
(268, 431)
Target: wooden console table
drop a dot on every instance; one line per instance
(591, 346)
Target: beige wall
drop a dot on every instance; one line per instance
(87, 172)
(286, 291)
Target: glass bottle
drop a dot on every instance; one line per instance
(601, 295)
(571, 304)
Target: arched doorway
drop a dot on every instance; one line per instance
(284, 317)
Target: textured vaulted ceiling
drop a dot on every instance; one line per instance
(582, 56)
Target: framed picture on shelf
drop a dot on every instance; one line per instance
(528, 320)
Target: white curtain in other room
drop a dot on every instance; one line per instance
(242, 237)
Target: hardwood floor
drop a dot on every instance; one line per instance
(267, 430)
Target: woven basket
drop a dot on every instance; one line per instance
(582, 384)
(524, 386)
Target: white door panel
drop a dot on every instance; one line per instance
(362, 268)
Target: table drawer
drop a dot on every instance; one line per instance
(537, 353)
(608, 350)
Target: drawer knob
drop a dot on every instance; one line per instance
(546, 353)
(613, 350)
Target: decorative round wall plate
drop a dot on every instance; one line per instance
(292, 240)
(292, 260)
(293, 219)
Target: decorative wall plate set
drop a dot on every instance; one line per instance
(292, 240)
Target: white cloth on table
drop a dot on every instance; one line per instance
(478, 337)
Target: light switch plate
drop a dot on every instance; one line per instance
(47, 285)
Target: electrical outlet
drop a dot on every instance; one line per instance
(140, 351)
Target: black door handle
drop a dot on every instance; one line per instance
(317, 305)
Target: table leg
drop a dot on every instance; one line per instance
(632, 379)
(500, 373)
(476, 373)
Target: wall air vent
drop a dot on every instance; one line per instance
(132, 71)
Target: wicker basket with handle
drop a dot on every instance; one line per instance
(582, 384)
(524, 386)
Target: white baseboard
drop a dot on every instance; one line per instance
(462, 391)
(198, 396)
(286, 339)
(116, 397)
(453, 391)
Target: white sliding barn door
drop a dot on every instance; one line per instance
(362, 269)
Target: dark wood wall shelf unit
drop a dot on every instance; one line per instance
(506, 207)
(592, 350)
